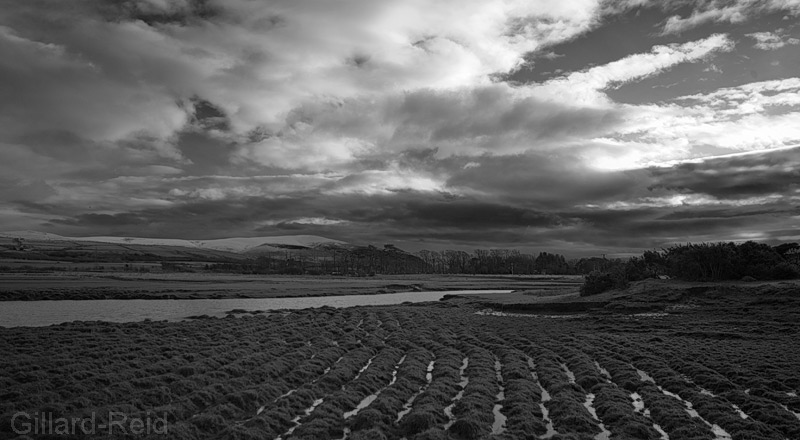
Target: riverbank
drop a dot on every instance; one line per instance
(642, 296)
(130, 285)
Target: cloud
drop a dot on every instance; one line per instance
(772, 40)
(494, 118)
(538, 201)
(585, 86)
(373, 121)
(739, 177)
(49, 87)
(726, 120)
(135, 66)
(734, 12)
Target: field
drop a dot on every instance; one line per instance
(705, 367)
(132, 285)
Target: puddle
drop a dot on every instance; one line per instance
(490, 312)
(297, 419)
(361, 405)
(650, 315)
(719, 433)
(706, 392)
(499, 424)
(739, 411)
(603, 371)
(639, 407)
(570, 374)
(327, 370)
(429, 373)
(410, 402)
(589, 404)
(796, 414)
(448, 411)
(371, 398)
(644, 377)
(396, 367)
(362, 370)
(664, 435)
(551, 431)
(638, 404)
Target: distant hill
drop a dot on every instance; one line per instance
(240, 245)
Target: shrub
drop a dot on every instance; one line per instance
(466, 429)
(599, 282)
(416, 422)
(372, 434)
(433, 434)
(785, 271)
(366, 419)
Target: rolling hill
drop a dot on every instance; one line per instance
(237, 245)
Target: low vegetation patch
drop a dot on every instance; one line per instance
(297, 375)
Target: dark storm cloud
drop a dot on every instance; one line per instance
(774, 173)
(102, 220)
(158, 12)
(21, 190)
(413, 210)
(58, 144)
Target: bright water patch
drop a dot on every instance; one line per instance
(41, 313)
(499, 425)
(464, 381)
(570, 374)
(551, 431)
(589, 404)
(408, 405)
(371, 398)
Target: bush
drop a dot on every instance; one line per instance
(785, 271)
(433, 434)
(415, 423)
(599, 282)
(466, 429)
(366, 419)
(372, 434)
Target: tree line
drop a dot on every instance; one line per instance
(372, 260)
(701, 262)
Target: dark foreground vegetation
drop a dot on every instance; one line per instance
(700, 370)
(749, 261)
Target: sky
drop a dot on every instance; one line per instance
(581, 127)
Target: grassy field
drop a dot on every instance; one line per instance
(122, 285)
(704, 367)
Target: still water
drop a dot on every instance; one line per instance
(41, 313)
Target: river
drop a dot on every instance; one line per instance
(42, 313)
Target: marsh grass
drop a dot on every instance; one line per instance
(210, 378)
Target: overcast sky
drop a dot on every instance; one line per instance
(578, 126)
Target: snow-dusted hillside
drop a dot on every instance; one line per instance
(238, 245)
